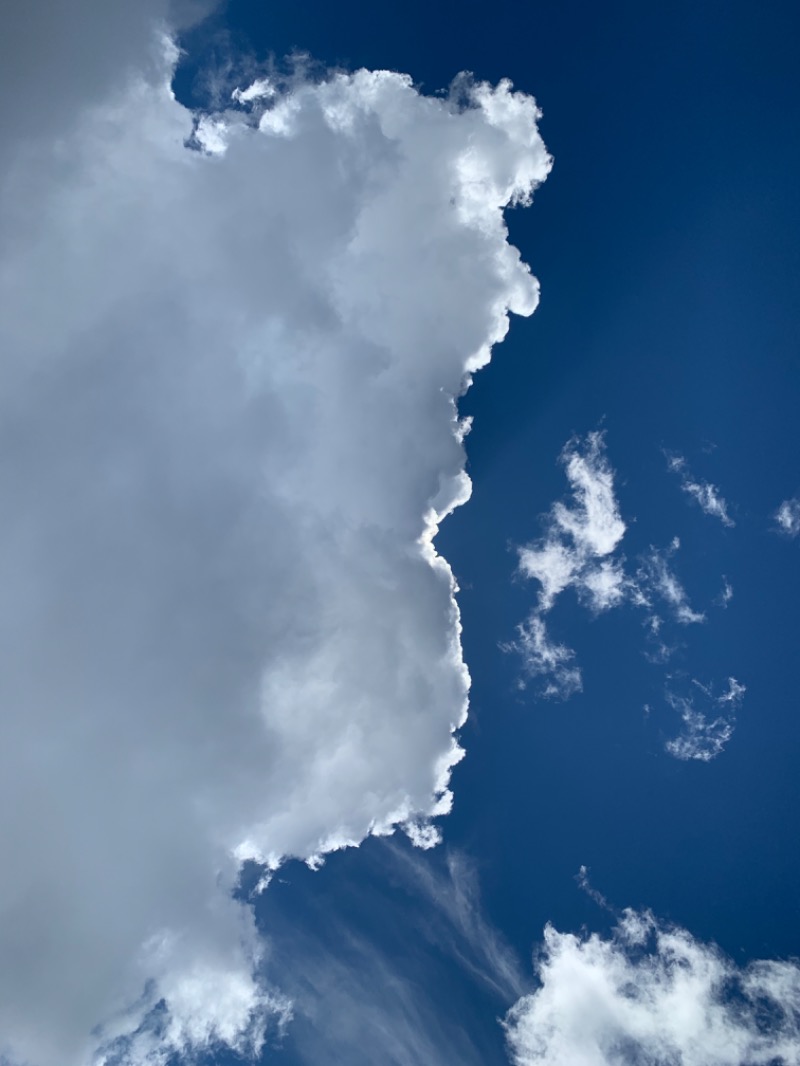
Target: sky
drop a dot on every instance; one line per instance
(400, 538)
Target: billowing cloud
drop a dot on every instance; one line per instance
(706, 728)
(229, 434)
(787, 517)
(652, 993)
(704, 494)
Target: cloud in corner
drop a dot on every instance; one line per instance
(652, 993)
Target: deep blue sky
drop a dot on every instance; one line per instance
(666, 242)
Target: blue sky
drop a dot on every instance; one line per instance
(663, 356)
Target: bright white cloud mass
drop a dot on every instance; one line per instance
(653, 994)
(229, 433)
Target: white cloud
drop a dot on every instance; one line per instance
(229, 434)
(579, 551)
(706, 495)
(542, 658)
(573, 553)
(705, 732)
(655, 576)
(581, 534)
(787, 517)
(726, 595)
(653, 994)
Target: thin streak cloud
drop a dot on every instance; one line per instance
(705, 495)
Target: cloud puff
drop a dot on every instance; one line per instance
(573, 553)
(652, 993)
(229, 434)
(787, 517)
(580, 533)
(706, 732)
(704, 494)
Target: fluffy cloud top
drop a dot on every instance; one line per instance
(229, 433)
(654, 994)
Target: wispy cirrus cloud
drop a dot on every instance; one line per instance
(544, 659)
(707, 727)
(726, 595)
(653, 993)
(705, 495)
(388, 980)
(655, 576)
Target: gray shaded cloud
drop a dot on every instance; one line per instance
(228, 436)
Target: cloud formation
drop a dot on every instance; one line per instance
(573, 553)
(543, 658)
(581, 533)
(652, 993)
(787, 517)
(580, 550)
(655, 577)
(388, 978)
(705, 495)
(229, 434)
(705, 731)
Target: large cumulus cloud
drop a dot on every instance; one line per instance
(228, 432)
